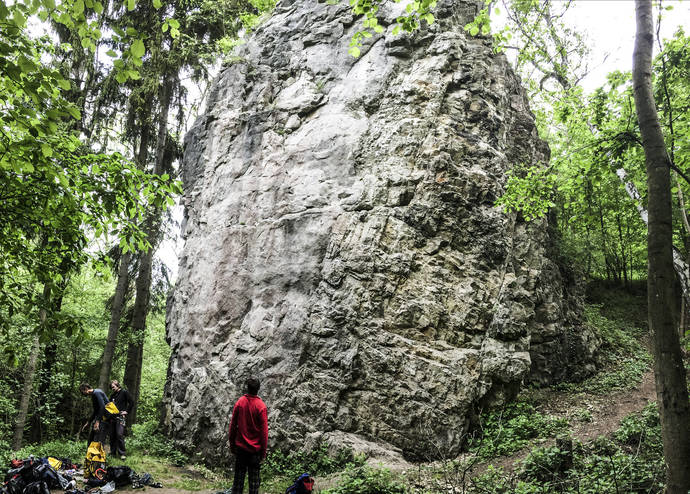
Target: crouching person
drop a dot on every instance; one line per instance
(248, 434)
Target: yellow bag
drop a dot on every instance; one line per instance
(55, 463)
(94, 463)
(110, 410)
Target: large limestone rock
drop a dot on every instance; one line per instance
(342, 243)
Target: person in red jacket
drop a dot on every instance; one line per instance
(248, 434)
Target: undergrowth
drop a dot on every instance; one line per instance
(147, 439)
(629, 462)
(503, 432)
(365, 479)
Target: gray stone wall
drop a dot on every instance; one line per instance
(342, 243)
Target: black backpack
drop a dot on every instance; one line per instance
(14, 486)
(45, 473)
(120, 475)
(37, 488)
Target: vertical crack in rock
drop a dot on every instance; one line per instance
(342, 243)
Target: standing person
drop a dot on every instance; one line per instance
(124, 403)
(248, 436)
(98, 429)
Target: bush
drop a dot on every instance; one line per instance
(316, 461)
(74, 450)
(147, 439)
(638, 427)
(364, 479)
(510, 429)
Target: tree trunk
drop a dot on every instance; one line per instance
(135, 351)
(115, 313)
(671, 385)
(29, 374)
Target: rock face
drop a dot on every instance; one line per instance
(342, 243)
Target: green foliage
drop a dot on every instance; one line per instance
(74, 450)
(619, 338)
(316, 461)
(147, 439)
(364, 479)
(643, 427)
(506, 431)
(624, 359)
(416, 11)
(529, 190)
(602, 466)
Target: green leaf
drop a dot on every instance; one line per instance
(47, 150)
(354, 51)
(64, 84)
(131, 4)
(74, 112)
(78, 8)
(174, 23)
(98, 7)
(111, 53)
(18, 19)
(157, 4)
(137, 49)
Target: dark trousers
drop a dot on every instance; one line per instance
(249, 463)
(117, 437)
(98, 435)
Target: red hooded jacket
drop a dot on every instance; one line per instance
(249, 425)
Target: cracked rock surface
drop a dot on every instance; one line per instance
(342, 243)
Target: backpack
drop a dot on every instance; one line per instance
(303, 485)
(120, 475)
(94, 463)
(45, 473)
(14, 486)
(111, 411)
(39, 487)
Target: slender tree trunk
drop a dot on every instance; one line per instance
(29, 374)
(671, 385)
(135, 351)
(115, 314)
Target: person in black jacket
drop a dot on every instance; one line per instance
(123, 401)
(99, 428)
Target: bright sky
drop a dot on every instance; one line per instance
(610, 25)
